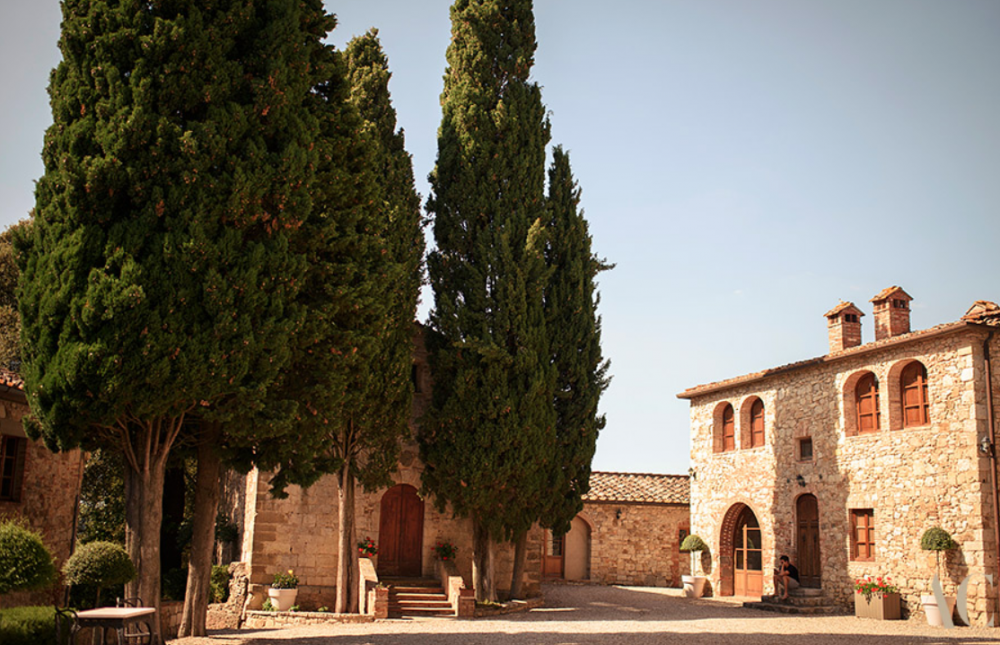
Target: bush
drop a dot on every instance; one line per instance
(25, 563)
(693, 543)
(174, 584)
(937, 539)
(27, 625)
(220, 583)
(101, 564)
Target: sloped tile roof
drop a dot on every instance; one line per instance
(983, 311)
(888, 291)
(841, 307)
(643, 488)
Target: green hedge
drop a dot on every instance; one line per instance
(27, 626)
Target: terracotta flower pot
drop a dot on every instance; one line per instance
(694, 586)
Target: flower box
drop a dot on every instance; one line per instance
(884, 606)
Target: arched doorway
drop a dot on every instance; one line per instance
(741, 556)
(401, 532)
(577, 560)
(807, 540)
(553, 561)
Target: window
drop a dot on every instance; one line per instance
(728, 429)
(415, 378)
(863, 535)
(757, 424)
(913, 387)
(805, 449)
(866, 402)
(11, 467)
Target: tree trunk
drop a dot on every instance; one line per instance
(482, 563)
(520, 555)
(143, 516)
(206, 506)
(347, 552)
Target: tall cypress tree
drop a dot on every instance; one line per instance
(157, 278)
(490, 427)
(571, 301)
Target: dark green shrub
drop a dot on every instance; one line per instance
(937, 539)
(220, 583)
(693, 543)
(27, 625)
(25, 563)
(175, 584)
(101, 564)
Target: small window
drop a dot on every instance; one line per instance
(415, 378)
(913, 387)
(757, 424)
(728, 429)
(11, 467)
(863, 535)
(805, 449)
(899, 304)
(866, 402)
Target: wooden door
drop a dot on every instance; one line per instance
(554, 560)
(401, 532)
(807, 516)
(748, 556)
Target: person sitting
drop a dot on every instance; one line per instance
(786, 577)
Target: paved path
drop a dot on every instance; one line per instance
(585, 614)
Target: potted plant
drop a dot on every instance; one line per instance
(445, 551)
(367, 548)
(937, 540)
(876, 598)
(694, 585)
(283, 591)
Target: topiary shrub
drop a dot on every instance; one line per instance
(25, 563)
(936, 539)
(693, 544)
(100, 564)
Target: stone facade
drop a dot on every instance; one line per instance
(910, 478)
(49, 485)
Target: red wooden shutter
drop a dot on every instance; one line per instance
(728, 429)
(913, 385)
(757, 424)
(866, 399)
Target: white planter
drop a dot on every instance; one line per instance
(694, 586)
(282, 599)
(933, 612)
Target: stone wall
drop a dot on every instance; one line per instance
(48, 496)
(913, 478)
(641, 547)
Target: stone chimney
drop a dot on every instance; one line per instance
(892, 313)
(844, 326)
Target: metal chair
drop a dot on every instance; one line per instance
(137, 633)
(67, 626)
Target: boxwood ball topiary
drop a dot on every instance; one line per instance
(25, 563)
(937, 539)
(101, 564)
(693, 543)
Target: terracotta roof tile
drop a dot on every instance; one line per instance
(888, 291)
(983, 311)
(843, 306)
(638, 487)
(11, 379)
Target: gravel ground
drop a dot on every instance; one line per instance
(577, 614)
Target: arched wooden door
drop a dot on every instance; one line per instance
(554, 560)
(748, 556)
(401, 532)
(807, 519)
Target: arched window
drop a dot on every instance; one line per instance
(757, 424)
(728, 429)
(913, 389)
(866, 400)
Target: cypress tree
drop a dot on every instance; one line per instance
(157, 280)
(10, 321)
(490, 427)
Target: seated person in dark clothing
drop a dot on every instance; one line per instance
(786, 577)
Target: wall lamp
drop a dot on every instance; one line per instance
(618, 514)
(985, 447)
(692, 474)
(801, 480)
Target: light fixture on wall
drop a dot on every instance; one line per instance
(692, 474)
(801, 480)
(985, 447)
(618, 514)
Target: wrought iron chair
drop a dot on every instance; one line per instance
(137, 633)
(67, 626)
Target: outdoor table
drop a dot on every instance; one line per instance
(117, 618)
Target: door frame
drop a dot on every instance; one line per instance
(409, 552)
(810, 569)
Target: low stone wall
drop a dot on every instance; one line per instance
(171, 612)
(269, 619)
(636, 544)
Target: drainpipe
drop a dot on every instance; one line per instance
(991, 426)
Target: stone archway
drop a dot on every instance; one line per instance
(740, 552)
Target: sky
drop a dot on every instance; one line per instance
(746, 165)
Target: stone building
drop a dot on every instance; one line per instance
(627, 533)
(843, 461)
(36, 485)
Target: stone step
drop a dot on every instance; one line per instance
(438, 595)
(798, 601)
(781, 608)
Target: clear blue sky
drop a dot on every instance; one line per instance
(746, 164)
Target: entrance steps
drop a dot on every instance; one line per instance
(413, 597)
(803, 601)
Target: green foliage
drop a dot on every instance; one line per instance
(267, 606)
(25, 562)
(10, 320)
(574, 331)
(220, 583)
(937, 539)
(174, 584)
(445, 551)
(101, 564)
(27, 625)
(285, 580)
(693, 544)
(225, 531)
(102, 498)
(489, 434)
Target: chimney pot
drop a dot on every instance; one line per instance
(892, 312)
(844, 326)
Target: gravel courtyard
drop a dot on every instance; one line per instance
(634, 615)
